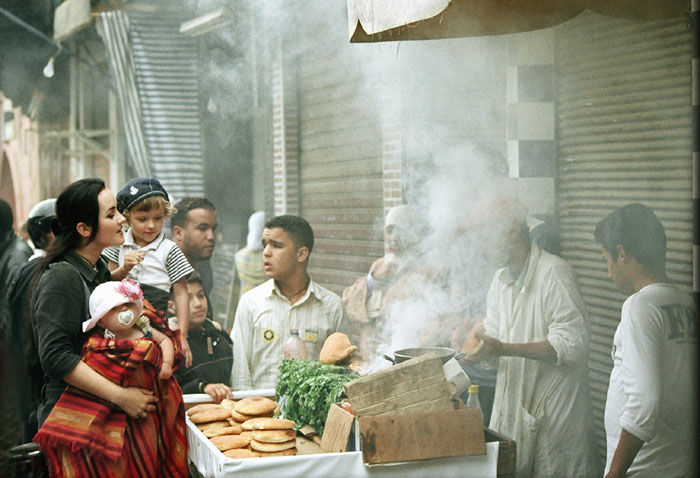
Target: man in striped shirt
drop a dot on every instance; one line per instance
(288, 300)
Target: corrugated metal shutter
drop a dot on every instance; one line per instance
(624, 135)
(340, 167)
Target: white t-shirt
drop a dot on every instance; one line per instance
(652, 390)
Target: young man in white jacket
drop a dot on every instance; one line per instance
(650, 412)
(537, 327)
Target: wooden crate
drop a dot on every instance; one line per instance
(506, 453)
(418, 384)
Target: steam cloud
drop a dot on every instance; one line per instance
(453, 108)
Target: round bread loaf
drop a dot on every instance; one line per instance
(255, 406)
(202, 407)
(336, 349)
(240, 418)
(247, 433)
(273, 436)
(228, 404)
(216, 424)
(239, 453)
(228, 442)
(216, 432)
(272, 447)
(210, 415)
(234, 424)
(264, 423)
(287, 452)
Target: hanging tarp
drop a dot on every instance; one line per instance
(391, 20)
(160, 73)
(394, 20)
(637, 9)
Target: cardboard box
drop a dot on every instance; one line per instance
(418, 384)
(421, 435)
(506, 453)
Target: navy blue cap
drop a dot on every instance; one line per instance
(137, 190)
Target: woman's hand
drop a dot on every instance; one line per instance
(136, 402)
(217, 391)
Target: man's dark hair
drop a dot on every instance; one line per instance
(6, 218)
(184, 206)
(297, 227)
(194, 278)
(636, 228)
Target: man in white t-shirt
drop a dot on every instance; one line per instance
(650, 408)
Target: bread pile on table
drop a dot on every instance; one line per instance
(245, 429)
(271, 436)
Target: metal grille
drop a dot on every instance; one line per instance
(624, 135)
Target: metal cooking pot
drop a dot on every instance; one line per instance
(444, 354)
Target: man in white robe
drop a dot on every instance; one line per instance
(537, 328)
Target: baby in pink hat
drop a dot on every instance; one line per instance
(117, 308)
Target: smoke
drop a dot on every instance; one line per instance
(444, 278)
(453, 119)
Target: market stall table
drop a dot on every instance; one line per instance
(210, 463)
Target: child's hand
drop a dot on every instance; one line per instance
(186, 350)
(166, 371)
(132, 258)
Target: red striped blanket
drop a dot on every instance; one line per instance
(85, 436)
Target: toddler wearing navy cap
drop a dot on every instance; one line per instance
(146, 256)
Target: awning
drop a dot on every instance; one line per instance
(393, 20)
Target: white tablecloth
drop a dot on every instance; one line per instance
(212, 464)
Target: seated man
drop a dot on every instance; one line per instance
(288, 300)
(391, 278)
(212, 355)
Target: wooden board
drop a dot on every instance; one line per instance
(417, 384)
(305, 446)
(337, 430)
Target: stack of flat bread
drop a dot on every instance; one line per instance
(224, 432)
(232, 428)
(271, 436)
(253, 407)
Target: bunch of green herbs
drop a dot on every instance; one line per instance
(306, 389)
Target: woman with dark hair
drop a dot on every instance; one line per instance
(86, 222)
